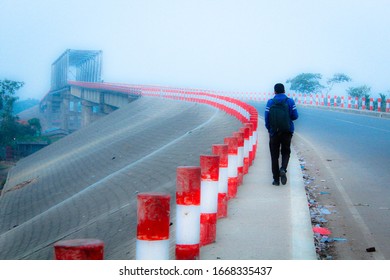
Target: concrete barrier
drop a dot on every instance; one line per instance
(188, 213)
(240, 156)
(153, 215)
(232, 143)
(79, 249)
(221, 150)
(246, 131)
(209, 165)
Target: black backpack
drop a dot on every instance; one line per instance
(279, 116)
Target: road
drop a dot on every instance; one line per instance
(354, 151)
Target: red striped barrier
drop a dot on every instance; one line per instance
(371, 104)
(187, 213)
(209, 165)
(221, 150)
(232, 143)
(379, 105)
(79, 249)
(153, 215)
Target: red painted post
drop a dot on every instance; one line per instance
(246, 148)
(79, 249)
(254, 119)
(187, 213)
(221, 150)
(250, 143)
(153, 214)
(209, 165)
(363, 103)
(240, 155)
(388, 105)
(379, 105)
(232, 166)
(371, 104)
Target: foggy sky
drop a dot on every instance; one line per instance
(232, 45)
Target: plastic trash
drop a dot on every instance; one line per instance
(325, 211)
(322, 230)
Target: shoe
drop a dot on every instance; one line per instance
(275, 183)
(283, 176)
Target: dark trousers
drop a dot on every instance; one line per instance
(279, 144)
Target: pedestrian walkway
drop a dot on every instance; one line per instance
(265, 222)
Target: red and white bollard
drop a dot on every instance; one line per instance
(187, 213)
(371, 104)
(246, 148)
(349, 102)
(221, 150)
(379, 105)
(153, 213)
(240, 156)
(254, 120)
(251, 139)
(79, 249)
(363, 103)
(388, 105)
(232, 143)
(209, 165)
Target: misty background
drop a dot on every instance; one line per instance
(229, 45)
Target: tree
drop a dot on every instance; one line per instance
(359, 92)
(35, 124)
(7, 92)
(336, 79)
(8, 125)
(306, 83)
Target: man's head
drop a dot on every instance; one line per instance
(279, 88)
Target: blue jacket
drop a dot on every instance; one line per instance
(291, 106)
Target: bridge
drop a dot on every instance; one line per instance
(77, 95)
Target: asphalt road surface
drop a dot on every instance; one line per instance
(355, 150)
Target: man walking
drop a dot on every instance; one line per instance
(280, 113)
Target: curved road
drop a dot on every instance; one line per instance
(355, 150)
(85, 185)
